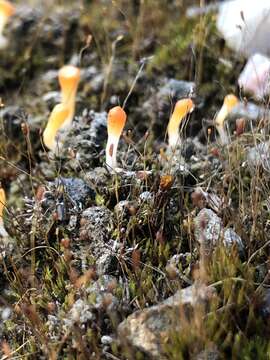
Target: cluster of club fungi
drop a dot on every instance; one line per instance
(60, 119)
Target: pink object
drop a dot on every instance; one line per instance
(255, 78)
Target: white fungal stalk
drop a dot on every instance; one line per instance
(111, 150)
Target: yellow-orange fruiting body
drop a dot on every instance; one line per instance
(2, 201)
(115, 125)
(6, 10)
(3, 232)
(116, 121)
(69, 77)
(181, 109)
(56, 120)
(230, 101)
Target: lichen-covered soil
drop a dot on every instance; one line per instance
(167, 258)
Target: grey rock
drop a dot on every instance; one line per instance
(6, 313)
(209, 231)
(208, 227)
(170, 91)
(248, 111)
(97, 224)
(87, 139)
(127, 178)
(123, 208)
(231, 238)
(52, 98)
(101, 292)
(259, 156)
(94, 79)
(158, 107)
(95, 232)
(176, 89)
(107, 262)
(66, 197)
(80, 313)
(98, 179)
(208, 354)
(50, 77)
(78, 192)
(148, 329)
(88, 73)
(106, 340)
(147, 197)
(53, 324)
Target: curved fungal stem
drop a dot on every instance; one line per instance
(230, 101)
(181, 110)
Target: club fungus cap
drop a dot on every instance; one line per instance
(116, 121)
(184, 106)
(181, 109)
(230, 101)
(69, 77)
(2, 201)
(6, 8)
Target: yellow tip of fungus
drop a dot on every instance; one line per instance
(6, 8)
(115, 124)
(56, 120)
(2, 202)
(181, 109)
(230, 101)
(116, 121)
(69, 77)
(3, 232)
(184, 106)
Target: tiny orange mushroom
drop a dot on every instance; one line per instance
(69, 77)
(6, 10)
(3, 232)
(115, 124)
(181, 110)
(230, 101)
(56, 120)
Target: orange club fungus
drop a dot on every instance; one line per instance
(115, 125)
(181, 110)
(69, 77)
(230, 101)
